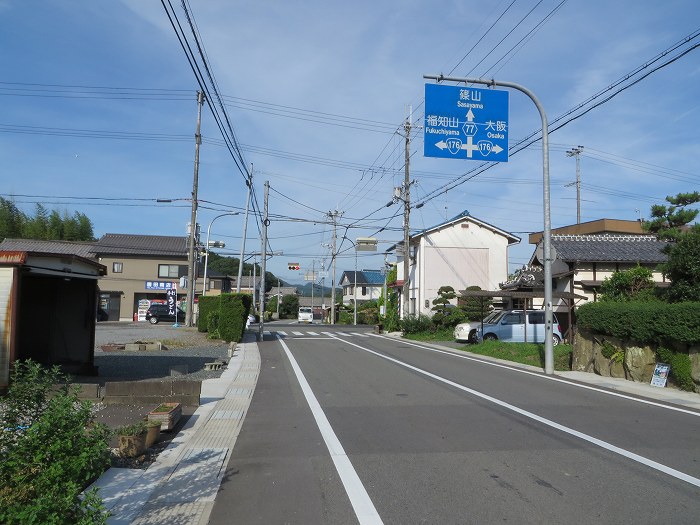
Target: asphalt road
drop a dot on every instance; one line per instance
(432, 437)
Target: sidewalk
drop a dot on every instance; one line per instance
(181, 485)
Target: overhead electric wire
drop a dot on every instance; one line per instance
(528, 140)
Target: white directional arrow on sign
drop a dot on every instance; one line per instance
(455, 145)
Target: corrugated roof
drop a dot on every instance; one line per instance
(155, 245)
(81, 249)
(609, 248)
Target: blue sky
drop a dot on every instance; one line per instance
(99, 110)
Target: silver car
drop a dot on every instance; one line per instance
(510, 326)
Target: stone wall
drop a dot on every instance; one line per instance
(626, 360)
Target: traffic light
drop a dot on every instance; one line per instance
(293, 265)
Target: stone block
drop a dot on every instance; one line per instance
(639, 363)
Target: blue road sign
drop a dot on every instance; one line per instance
(465, 123)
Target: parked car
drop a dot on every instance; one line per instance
(510, 326)
(466, 332)
(160, 312)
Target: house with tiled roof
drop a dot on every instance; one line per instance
(139, 268)
(461, 252)
(363, 285)
(585, 254)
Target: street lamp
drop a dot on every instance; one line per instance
(219, 245)
(364, 244)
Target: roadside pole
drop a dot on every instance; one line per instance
(548, 316)
(263, 251)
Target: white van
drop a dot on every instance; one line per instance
(305, 315)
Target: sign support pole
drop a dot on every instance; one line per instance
(548, 317)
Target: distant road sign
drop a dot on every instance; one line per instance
(465, 123)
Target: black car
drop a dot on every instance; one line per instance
(161, 312)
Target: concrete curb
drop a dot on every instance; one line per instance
(181, 485)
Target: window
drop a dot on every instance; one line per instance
(536, 317)
(169, 271)
(364, 290)
(513, 318)
(117, 267)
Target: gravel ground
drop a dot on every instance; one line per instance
(182, 347)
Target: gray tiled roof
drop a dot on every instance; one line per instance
(155, 245)
(81, 249)
(609, 248)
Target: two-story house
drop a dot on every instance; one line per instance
(461, 252)
(361, 286)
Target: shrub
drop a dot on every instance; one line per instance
(233, 312)
(681, 368)
(413, 324)
(207, 306)
(643, 322)
(50, 450)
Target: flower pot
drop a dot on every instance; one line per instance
(167, 413)
(132, 446)
(152, 433)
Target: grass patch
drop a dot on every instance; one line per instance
(524, 353)
(445, 334)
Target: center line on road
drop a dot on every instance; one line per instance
(585, 437)
(362, 504)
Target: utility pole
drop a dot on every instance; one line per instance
(191, 261)
(249, 183)
(263, 252)
(334, 217)
(576, 152)
(406, 216)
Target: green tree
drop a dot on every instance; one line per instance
(289, 306)
(635, 284)
(11, 220)
(683, 268)
(667, 222)
(37, 227)
(683, 264)
(475, 308)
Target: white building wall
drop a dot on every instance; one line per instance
(459, 255)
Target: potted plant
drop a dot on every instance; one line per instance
(132, 439)
(152, 432)
(167, 413)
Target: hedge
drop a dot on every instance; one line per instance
(207, 305)
(653, 323)
(233, 312)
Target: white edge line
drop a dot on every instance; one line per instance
(585, 437)
(361, 503)
(549, 378)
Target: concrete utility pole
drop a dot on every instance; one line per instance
(249, 183)
(191, 256)
(576, 152)
(333, 215)
(406, 217)
(263, 252)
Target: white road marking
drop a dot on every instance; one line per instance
(549, 378)
(585, 437)
(297, 333)
(313, 333)
(283, 334)
(362, 504)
